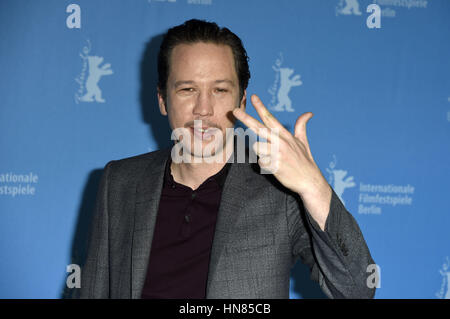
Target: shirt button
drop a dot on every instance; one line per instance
(193, 195)
(187, 218)
(173, 185)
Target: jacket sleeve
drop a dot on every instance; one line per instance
(338, 257)
(95, 271)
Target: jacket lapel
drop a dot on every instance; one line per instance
(233, 199)
(148, 194)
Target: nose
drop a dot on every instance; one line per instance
(204, 104)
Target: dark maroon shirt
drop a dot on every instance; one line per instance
(182, 239)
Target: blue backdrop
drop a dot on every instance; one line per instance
(77, 89)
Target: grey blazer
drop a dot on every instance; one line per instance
(262, 229)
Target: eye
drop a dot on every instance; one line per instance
(221, 90)
(186, 90)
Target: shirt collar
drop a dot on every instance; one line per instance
(219, 177)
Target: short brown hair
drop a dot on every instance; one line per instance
(193, 31)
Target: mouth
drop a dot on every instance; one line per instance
(203, 133)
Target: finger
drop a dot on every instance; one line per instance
(256, 126)
(300, 128)
(262, 148)
(264, 161)
(266, 157)
(267, 165)
(267, 117)
(247, 119)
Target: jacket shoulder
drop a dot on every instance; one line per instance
(136, 164)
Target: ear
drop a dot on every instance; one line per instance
(162, 104)
(243, 102)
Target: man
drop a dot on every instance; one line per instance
(196, 228)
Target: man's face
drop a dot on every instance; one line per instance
(202, 85)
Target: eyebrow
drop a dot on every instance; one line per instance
(178, 83)
(225, 81)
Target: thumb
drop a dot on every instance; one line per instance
(300, 126)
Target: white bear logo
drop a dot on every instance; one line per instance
(444, 293)
(286, 82)
(338, 180)
(351, 6)
(93, 91)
